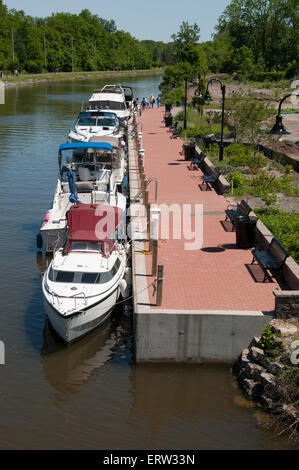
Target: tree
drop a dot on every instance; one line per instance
(268, 27)
(249, 115)
(188, 34)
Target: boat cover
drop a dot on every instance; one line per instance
(92, 223)
(86, 145)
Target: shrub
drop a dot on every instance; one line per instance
(269, 339)
(236, 177)
(262, 76)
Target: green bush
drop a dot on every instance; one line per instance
(269, 339)
(262, 76)
(236, 177)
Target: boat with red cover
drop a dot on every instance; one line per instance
(86, 276)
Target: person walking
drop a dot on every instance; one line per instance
(152, 101)
(158, 101)
(143, 103)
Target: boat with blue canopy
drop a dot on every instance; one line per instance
(89, 173)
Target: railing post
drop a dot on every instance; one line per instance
(154, 236)
(159, 284)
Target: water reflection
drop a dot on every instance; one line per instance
(69, 367)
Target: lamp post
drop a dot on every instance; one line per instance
(185, 105)
(208, 98)
(278, 127)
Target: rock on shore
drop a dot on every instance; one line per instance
(259, 371)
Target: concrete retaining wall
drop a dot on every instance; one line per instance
(195, 336)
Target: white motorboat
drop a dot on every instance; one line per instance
(110, 98)
(85, 278)
(89, 173)
(96, 123)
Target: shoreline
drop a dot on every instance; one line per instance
(33, 79)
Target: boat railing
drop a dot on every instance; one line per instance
(75, 297)
(54, 295)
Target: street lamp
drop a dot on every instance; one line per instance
(208, 98)
(278, 127)
(185, 105)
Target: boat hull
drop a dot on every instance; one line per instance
(72, 327)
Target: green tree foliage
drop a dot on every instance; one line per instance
(190, 59)
(263, 32)
(249, 116)
(94, 43)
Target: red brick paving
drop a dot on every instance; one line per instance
(200, 279)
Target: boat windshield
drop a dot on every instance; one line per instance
(79, 277)
(86, 157)
(86, 121)
(101, 121)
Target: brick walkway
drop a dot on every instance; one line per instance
(214, 277)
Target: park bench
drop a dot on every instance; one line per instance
(176, 133)
(270, 259)
(211, 179)
(196, 162)
(174, 126)
(242, 209)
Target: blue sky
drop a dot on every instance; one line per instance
(144, 19)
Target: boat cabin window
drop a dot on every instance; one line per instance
(106, 104)
(84, 278)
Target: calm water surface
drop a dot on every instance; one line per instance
(90, 395)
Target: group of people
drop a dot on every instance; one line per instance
(148, 103)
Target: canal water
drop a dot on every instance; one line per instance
(90, 395)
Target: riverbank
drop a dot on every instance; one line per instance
(32, 79)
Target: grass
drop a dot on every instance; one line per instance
(60, 76)
(268, 84)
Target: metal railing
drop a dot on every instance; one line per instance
(146, 183)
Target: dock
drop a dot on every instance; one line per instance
(211, 304)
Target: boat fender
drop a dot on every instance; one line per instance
(39, 241)
(128, 275)
(124, 288)
(127, 247)
(46, 219)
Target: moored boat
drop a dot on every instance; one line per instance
(86, 276)
(110, 98)
(89, 173)
(95, 123)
